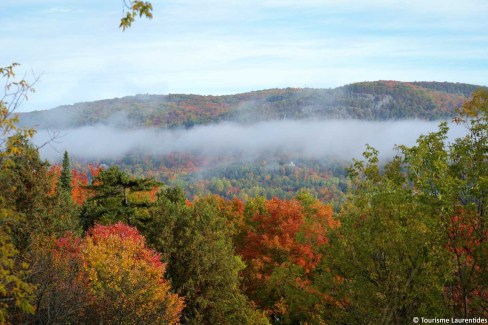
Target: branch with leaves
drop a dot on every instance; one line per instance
(135, 8)
(14, 94)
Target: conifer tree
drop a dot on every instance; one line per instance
(65, 178)
(117, 196)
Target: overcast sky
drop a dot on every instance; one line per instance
(226, 46)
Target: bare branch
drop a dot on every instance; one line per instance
(54, 136)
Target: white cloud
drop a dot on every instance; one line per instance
(465, 7)
(58, 10)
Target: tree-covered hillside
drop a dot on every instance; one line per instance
(270, 174)
(379, 100)
(409, 239)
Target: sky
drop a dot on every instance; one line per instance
(218, 47)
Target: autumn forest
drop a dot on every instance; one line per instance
(140, 239)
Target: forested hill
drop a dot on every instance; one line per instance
(379, 100)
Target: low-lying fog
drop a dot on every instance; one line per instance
(338, 139)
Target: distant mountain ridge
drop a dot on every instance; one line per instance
(378, 100)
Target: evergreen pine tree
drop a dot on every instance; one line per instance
(66, 179)
(117, 196)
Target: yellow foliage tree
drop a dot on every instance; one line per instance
(15, 292)
(125, 278)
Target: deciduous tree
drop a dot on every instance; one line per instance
(121, 280)
(413, 239)
(281, 248)
(196, 240)
(16, 293)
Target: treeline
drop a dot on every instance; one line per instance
(379, 100)
(409, 241)
(229, 178)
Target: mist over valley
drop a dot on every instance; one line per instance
(271, 142)
(297, 139)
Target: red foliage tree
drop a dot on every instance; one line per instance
(281, 246)
(467, 240)
(124, 278)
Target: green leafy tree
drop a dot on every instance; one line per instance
(27, 188)
(16, 292)
(467, 233)
(196, 241)
(387, 262)
(413, 239)
(30, 206)
(25, 182)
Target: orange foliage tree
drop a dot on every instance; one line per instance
(281, 245)
(467, 242)
(79, 182)
(79, 192)
(125, 278)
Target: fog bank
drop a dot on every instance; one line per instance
(337, 139)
